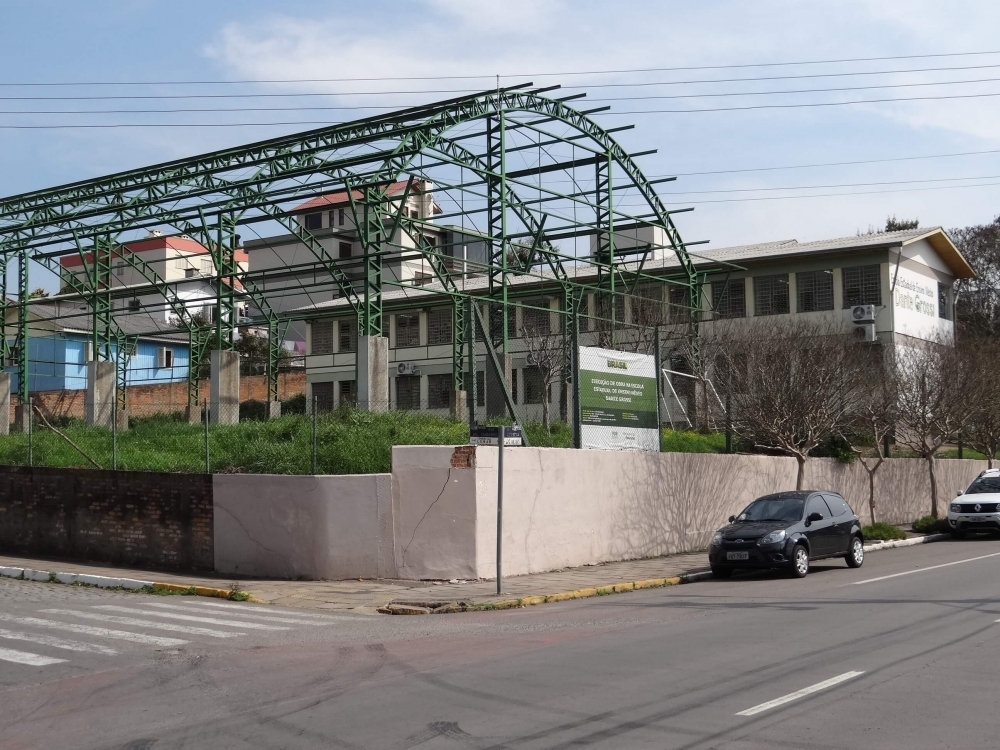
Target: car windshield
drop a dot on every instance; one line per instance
(984, 485)
(773, 509)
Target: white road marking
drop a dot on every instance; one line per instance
(122, 635)
(48, 640)
(242, 609)
(922, 570)
(251, 615)
(26, 657)
(800, 693)
(191, 618)
(173, 627)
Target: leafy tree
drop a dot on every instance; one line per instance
(977, 300)
(38, 293)
(892, 224)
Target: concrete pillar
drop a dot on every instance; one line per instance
(4, 403)
(272, 409)
(193, 414)
(460, 406)
(99, 406)
(496, 404)
(224, 387)
(373, 373)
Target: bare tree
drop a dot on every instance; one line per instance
(791, 388)
(871, 420)
(983, 430)
(937, 400)
(547, 354)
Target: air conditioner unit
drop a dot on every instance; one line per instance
(863, 313)
(407, 368)
(865, 332)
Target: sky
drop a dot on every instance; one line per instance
(606, 49)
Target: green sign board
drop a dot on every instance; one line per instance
(618, 400)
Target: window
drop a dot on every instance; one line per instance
(773, 506)
(838, 506)
(944, 309)
(322, 394)
(815, 291)
(207, 267)
(408, 392)
(513, 385)
(513, 331)
(679, 298)
(535, 321)
(534, 385)
(647, 305)
(480, 388)
(322, 337)
(770, 294)
(348, 392)
(164, 357)
(862, 286)
(341, 220)
(344, 250)
(817, 505)
(414, 214)
(407, 330)
(134, 305)
(348, 338)
(314, 221)
(439, 391)
(730, 298)
(439, 326)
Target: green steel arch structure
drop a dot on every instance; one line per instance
(524, 171)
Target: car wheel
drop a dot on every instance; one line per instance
(800, 561)
(856, 557)
(722, 572)
(956, 534)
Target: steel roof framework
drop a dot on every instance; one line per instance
(528, 173)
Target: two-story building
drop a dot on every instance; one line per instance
(907, 278)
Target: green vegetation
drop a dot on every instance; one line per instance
(677, 441)
(931, 525)
(882, 532)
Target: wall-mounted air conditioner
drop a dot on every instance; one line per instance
(863, 314)
(865, 332)
(407, 368)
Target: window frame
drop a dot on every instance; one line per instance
(722, 291)
(309, 219)
(772, 295)
(820, 303)
(850, 302)
(412, 324)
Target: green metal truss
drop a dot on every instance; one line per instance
(212, 195)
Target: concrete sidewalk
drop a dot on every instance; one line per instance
(419, 597)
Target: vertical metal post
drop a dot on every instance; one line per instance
(114, 430)
(315, 417)
(22, 330)
(208, 455)
(31, 432)
(659, 393)
(577, 412)
(470, 334)
(500, 442)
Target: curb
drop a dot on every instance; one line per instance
(106, 582)
(651, 583)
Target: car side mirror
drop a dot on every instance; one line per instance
(815, 517)
(960, 492)
(732, 519)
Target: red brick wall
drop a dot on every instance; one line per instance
(146, 400)
(123, 517)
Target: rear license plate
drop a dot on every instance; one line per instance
(737, 555)
(980, 520)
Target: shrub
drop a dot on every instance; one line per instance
(677, 441)
(882, 532)
(931, 525)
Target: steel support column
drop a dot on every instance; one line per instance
(21, 345)
(605, 255)
(100, 298)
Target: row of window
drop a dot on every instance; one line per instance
(814, 292)
(336, 218)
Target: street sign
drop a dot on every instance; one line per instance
(487, 435)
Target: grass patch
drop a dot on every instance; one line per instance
(677, 441)
(931, 525)
(882, 532)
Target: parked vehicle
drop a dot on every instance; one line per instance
(978, 510)
(788, 530)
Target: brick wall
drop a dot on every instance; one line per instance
(127, 518)
(147, 400)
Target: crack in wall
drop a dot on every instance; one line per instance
(429, 507)
(249, 536)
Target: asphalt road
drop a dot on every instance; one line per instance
(903, 653)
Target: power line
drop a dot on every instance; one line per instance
(493, 76)
(834, 163)
(837, 185)
(830, 195)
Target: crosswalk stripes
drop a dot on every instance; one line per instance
(192, 618)
(229, 621)
(135, 622)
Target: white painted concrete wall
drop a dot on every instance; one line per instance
(326, 527)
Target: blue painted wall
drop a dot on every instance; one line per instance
(58, 363)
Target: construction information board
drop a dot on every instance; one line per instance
(618, 400)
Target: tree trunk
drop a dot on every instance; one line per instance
(871, 495)
(545, 409)
(801, 474)
(934, 503)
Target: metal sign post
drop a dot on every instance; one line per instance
(500, 442)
